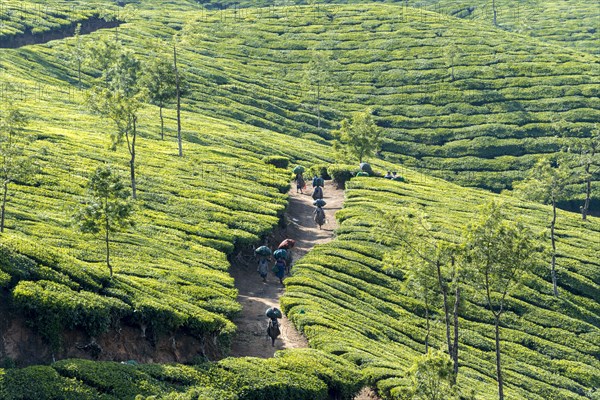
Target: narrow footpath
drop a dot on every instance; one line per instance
(255, 296)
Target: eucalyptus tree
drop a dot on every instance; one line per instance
(117, 95)
(498, 252)
(547, 183)
(107, 209)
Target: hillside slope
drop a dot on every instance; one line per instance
(192, 212)
(347, 302)
(456, 99)
(570, 23)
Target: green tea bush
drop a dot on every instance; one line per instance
(345, 303)
(277, 161)
(320, 170)
(341, 173)
(51, 308)
(44, 383)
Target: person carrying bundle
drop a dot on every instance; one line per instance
(273, 313)
(319, 215)
(279, 269)
(264, 257)
(263, 267)
(300, 183)
(317, 193)
(287, 245)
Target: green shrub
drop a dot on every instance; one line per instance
(341, 376)
(341, 173)
(320, 170)
(123, 381)
(258, 379)
(277, 161)
(43, 383)
(51, 308)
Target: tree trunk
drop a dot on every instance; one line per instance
(4, 194)
(494, 11)
(552, 238)
(319, 105)
(428, 327)
(455, 347)
(79, 73)
(588, 192)
(162, 124)
(106, 228)
(498, 362)
(444, 291)
(178, 101)
(132, 160)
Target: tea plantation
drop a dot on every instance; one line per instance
(570, 23)
(458, 99)
(171, 268)
(462, 101)
(348, 303)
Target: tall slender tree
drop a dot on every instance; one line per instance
(78, 53)
(585, 151)
(420, 278)
(117, 96)
(433, 271)
(14, 164)
(107, 208)
(159, 80)
(547, 183)
(498, 252)
(318, 79)
(178, 94)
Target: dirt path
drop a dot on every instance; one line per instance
(256, 296)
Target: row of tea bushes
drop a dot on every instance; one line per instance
(347, 303)
(292, 374)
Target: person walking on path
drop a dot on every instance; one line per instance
(300, 184)
(279, 269)
(287, 245)
(263, 267)
(317, 193)
(319, 215)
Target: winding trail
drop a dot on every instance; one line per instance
(256, 296)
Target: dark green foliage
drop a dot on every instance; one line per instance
(44, 383)
(320, 170)
(277, 161)
(293, 374)
(341, 173)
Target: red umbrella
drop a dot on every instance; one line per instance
(287, 244)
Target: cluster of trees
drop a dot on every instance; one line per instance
(122, 83)
(549, 180)
(493, 256)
